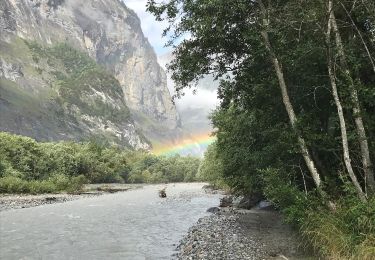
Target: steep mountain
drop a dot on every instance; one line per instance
(78, 69)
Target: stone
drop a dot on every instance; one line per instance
(249, 201)
(213, 210)
(110, 33)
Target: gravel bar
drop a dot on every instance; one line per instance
(10, 201)
(19, 201)
(239, 235)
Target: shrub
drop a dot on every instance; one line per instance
(12, 184)
(44, 186)
(22, 154)
(27, 166)
(61, 182)
(76, 184)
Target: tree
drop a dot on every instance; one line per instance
(332, 77)
(222, 42)
(365, 153)
(227, 40)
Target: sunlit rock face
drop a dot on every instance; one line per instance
(110, 34)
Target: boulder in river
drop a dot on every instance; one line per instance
(213, 210)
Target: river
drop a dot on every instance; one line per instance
(132, 225)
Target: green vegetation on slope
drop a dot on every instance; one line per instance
(296, 123)
(77, 75)
(58, 92)
(27, 166)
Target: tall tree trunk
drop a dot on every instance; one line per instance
(344, 135)
(365, 152)
(286, 100)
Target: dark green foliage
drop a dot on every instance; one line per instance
(20, 154)
(212, 168)
(27, 166)
(153, 169)
(257, 149)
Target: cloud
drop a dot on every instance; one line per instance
(195, 108)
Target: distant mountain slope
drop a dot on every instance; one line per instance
(51, 89)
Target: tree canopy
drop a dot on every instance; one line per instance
(296, 122)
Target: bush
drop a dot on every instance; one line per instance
(76, 184)
(211, 168)
(153, 169)
(21, 154)
(12, 184)
(27, 166)
(44, 186)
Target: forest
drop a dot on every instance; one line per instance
(27, 166)
(296, 122)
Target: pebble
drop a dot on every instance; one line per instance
(218, 236)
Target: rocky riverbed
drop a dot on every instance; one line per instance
(10, 201)
(241, 234)
(131, 225)
(18, 201)
(227, 233)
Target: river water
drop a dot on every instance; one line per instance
(132, 225)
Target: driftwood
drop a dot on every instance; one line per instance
(162, 193)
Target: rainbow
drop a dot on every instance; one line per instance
(191, 145)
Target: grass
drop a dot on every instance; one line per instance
(347, 233)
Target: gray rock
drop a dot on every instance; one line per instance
(213, 210)
(249, 201)
(265, 205)
(108, 32)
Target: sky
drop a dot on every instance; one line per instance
(151, 29)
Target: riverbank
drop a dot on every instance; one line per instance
(19, 201)
(241, 234)
(10, 201)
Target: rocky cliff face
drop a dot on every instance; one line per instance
(109, 33)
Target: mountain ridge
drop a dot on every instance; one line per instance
(110, 34)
